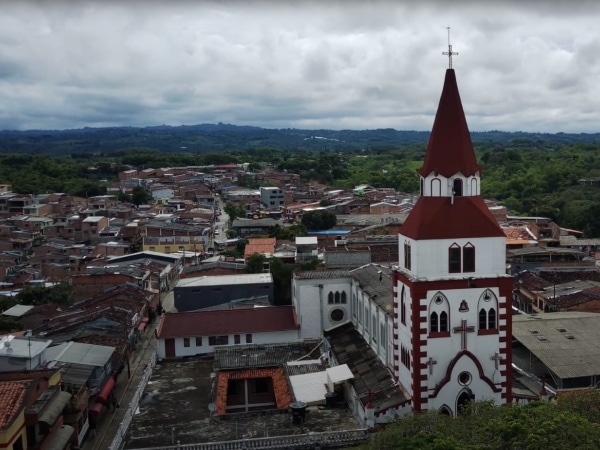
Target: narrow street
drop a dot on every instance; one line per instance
(109, 422)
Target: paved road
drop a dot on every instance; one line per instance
(109, 421)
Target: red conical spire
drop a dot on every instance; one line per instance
(450, 149)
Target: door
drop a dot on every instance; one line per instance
(170, 348)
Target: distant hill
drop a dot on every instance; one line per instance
(210, 138)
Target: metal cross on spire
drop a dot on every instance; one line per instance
(449, 53)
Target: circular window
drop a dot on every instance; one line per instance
(464, 378)
(337, 315)
(438, 300)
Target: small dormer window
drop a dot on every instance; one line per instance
(457, 187)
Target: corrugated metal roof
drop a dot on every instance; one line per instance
(86, 354)
(75, 374)
(376, 281)
(17, 310)
(275, 355)
(322, 274)
(224, 280)
(565, 342)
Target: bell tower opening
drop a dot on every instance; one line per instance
(457, 187)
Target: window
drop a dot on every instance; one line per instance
(218, 340)
(261, 385)
(439, 316)
(337, 298)
(407, 256)
(232, 387)
(337, 315)
(403, 306)
(457, 187)
(469, 258)
(491, 319)
(488, 316)
(454, 263)
(248, 339)
(330, 298)
(433, 322)
(236, 339)
(444, 322)
(343, 297)
(186, 342)
(198, 342)
(482, 319)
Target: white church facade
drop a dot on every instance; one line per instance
(443, 330)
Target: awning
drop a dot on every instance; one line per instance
(60, 438)
(95, 410)
(55, 408)
(105, 391)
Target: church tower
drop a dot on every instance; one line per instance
(452, 310)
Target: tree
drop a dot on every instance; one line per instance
(538, 425)
(140, 196)
(319, 220)
(59, 293)
(233, 210)
(255, 263)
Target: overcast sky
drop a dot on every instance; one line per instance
(332, 64)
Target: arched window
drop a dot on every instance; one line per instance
(474, 186)
(444, 322)
(433, 322)
(457, 187)
(488, 313)
(330, 298)
(436, 187)
(337, 297)
(492, 319)
(445, 411)
(482, 319)
(407, 256)
(439, 316)
(468, 258)
(343, 297)
(454, 259)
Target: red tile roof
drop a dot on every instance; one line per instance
(439, 218)
(260, 245)
(450, 149)
(283, 397)
(234, 321)
(12, 395)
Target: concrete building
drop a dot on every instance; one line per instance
(272, 197)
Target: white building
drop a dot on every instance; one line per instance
(200, 332)
(272, 197)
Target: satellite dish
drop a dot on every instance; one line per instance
(212, 407)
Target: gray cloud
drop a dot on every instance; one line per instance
(522, 66)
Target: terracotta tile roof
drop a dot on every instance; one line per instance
(283, 397)
(440, 218)
(12, 395)
(450, 149)
(518, 234)
(235, 321)
(260, 245)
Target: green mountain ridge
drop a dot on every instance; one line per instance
(211, 138)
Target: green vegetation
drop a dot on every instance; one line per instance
(319, 220)
(572, 422)
(233, 210)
